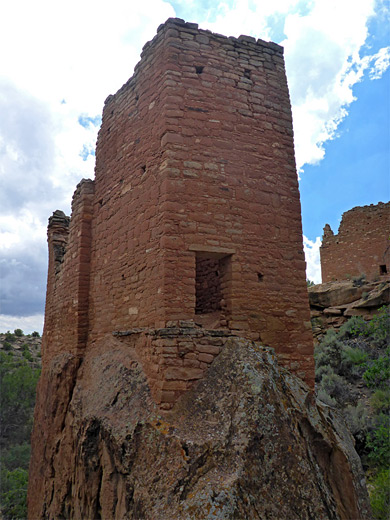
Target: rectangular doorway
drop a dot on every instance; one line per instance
(212, 289)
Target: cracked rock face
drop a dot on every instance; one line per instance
(246, 442)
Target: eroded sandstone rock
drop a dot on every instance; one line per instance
(247, 441)
(333, 303)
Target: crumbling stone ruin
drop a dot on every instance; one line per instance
(182, 255)
(191, 231)
(361, 247)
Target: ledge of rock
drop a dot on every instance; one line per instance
(247, 441)
(333, 303)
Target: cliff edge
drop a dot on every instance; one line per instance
(247, 441)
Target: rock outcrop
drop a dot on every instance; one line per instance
(333, 303)
(247, 441)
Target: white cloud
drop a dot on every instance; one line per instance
(381, 63)
(312, 255)
(28, 324)
(323, 41)
(77, 51)
(236, 17)
(322, 52)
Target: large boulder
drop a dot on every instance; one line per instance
(247, 441)
(332, 294)
(380, 295)
(333, 303)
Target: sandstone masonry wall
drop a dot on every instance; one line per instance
(67, 298)
(195, 186)
(362, 245)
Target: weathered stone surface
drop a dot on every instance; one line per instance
(194, 213)
(362, 245)
(332, 311)
(379, 296)
(247, 441)
(333, 303)
(332, 294)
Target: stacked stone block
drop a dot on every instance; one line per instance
(174, 358)
(361, 247)
(195, 175)
(67, 300)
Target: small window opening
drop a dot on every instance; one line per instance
(143, 168)
(260, 277)
(208, 286)
(136, 97)
(199, 69)
(212, 289)
(247, 73)
(383, 269)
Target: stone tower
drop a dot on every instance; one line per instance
(361, 247)
(191, 231)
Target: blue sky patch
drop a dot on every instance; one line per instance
(87, 151)
(86, 121)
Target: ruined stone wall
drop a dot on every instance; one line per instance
(67, 297)
(127, 259)
(362, 245)
(194, 167)
(195, 157)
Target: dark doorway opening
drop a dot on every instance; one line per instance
(208, 285)
(382, 269)
(211, 289)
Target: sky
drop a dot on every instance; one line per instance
(59, 62)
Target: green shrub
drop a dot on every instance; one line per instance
(344, 360)
(17, 397)
(328, 352)
(13, 493)
(380, 495)
(18, 333)
(9, 337)
(355, 326)
(357, 351)
(27, 355)
(355, 355)
(16, 456)
(378, 442)
(323, 396)
(379, 328)
(380, 400)
(378, 374)
(335, 386)
(357, 419)
(35, 334)
(7, 345)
